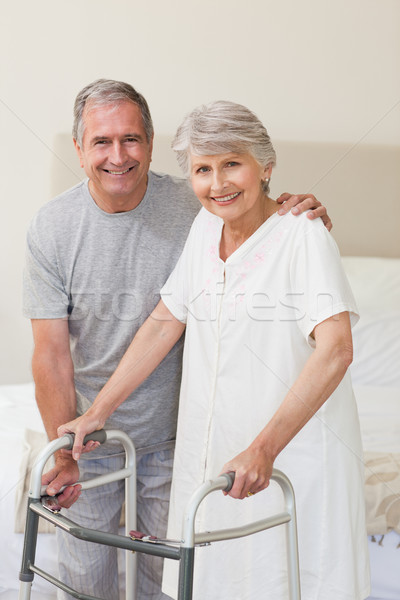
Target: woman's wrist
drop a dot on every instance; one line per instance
(267, 443)
(98, 414)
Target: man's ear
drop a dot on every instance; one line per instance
(151, 147)
(79, 152)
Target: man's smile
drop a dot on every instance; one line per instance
(118, 172)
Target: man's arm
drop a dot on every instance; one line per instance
(151, 344)
(300, 202)
(53, 373)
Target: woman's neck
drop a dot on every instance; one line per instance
(235, 233)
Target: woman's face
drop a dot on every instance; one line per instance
(229, 185)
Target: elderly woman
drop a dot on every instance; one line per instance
(268, 313)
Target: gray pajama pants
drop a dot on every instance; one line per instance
(92, 568)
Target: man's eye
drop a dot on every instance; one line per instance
(101, 142)
(132, 139)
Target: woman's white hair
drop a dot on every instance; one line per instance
(221, 127)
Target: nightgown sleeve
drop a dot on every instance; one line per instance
(175, 291)
(318, 279)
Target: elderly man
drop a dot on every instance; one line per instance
(97, 257)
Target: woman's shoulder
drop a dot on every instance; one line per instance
(302, 225)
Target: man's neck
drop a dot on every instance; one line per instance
(114, 203)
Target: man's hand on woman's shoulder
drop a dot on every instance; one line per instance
(298, 203)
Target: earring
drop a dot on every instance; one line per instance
(267, 180)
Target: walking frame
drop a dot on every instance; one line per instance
(183, 551)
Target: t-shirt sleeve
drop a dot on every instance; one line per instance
(44, 295)
(318, 279)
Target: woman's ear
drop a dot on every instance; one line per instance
(267, 172)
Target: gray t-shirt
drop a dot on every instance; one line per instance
(104, 272)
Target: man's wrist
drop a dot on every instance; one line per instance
(61, 456)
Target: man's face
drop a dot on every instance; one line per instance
(115, 154)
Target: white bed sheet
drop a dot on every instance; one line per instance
(18, 411)
(385, 571)
(379, 410)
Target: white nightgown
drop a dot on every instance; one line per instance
(249, 321)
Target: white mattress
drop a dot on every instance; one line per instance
(18, 411)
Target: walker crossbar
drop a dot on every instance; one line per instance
(184, 552)
(104, 538)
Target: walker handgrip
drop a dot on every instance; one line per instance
(231, 480)
(96, 436)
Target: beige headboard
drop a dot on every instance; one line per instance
(360, 186)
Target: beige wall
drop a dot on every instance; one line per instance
(314, 70)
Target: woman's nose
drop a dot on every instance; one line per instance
(218, 181)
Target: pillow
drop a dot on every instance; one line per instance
(379, 412)
(375, 282)
(376, 286)
(376, 342)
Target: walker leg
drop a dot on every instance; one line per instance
(186, 566)
(25, 590)
(293, 557)
(28, 557)
(130, 524)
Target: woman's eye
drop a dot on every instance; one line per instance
(202, 170)
(232, 163)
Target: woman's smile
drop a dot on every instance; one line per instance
(225, 199)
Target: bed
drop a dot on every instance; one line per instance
(334, 173)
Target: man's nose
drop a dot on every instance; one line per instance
(117, 154)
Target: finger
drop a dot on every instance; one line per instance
(283, 197)
(69, 496)
(262, 486)
(321, 212)
(77, 448)
(48, 477)
(54, 486)
(290, 201)
(59, 479)
(306, 203)
(63, 429)
(299, 203)
(90, 446)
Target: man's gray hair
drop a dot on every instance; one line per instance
(221, 127)
(107, 91)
